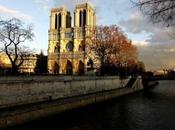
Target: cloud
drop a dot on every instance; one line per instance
(14, 13)
(137, 23)
(140, 43)
(158, 56)
(156, 49)
(160, 35)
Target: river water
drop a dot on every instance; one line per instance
(152, 110)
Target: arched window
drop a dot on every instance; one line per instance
(84, 17)
(81, 46)
(60, 20)
(67, 21)
(80, 19)
(81, 68)
(56, 68)
(90, 63)
(56, 20)
(57, 48)
(69, 68)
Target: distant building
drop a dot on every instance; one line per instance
(4, 60)
(160, 72)
(28, 65)
(66, 49)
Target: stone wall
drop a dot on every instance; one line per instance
(16, 91)
(39, 97)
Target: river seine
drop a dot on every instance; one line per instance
(151, 110)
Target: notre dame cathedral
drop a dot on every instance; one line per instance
(67, 46)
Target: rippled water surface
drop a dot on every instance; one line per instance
(153, 110)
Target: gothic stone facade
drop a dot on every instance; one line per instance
(67, 46)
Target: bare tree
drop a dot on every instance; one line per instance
(158, 10)
(13, 33)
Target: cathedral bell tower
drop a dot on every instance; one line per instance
(60, 25)
(84, 22)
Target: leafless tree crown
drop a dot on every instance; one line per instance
(160, 11)
(13, 33)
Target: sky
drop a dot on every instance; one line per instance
(155, 46)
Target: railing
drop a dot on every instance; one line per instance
(73, 55)
(138, 83)
(54, 35)
(46, 78)
(68, 33)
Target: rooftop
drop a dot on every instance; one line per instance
(88, 4)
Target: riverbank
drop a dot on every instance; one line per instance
(26, 101)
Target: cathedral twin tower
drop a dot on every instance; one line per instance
(67, 46)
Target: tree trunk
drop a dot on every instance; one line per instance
(102, 68)
(14, 69)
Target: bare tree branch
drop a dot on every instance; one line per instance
(12, 35)
(160, 11)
